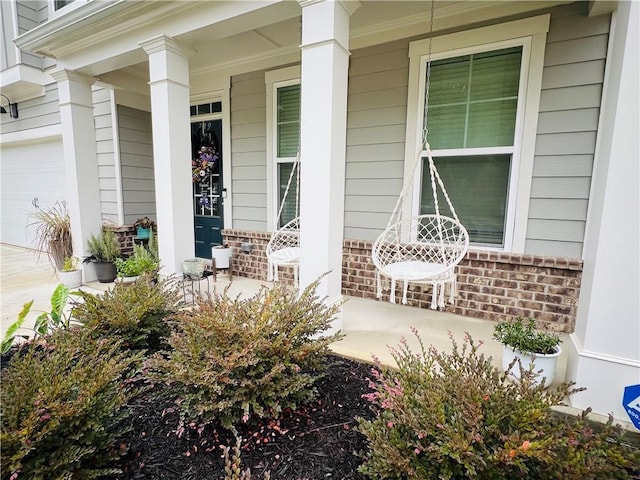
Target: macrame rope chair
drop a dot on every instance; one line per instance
(423, 249)
(283, 248)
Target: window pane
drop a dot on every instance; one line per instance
(216, 107)
(58, 4)
(446, 126)
(204, 108)
(289, 209)
(496, 74)
(492, 124)
(449, 81)
(477, 187)
(288, 120)
(473, 100)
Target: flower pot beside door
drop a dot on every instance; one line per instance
(537, 351)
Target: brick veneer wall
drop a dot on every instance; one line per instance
(125, 234)
(491, 285)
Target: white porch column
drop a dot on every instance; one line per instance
(80, 159)
(604, 352)
(169, 81)
(325, 62)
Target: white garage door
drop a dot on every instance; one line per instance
(32, 175)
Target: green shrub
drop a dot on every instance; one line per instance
(62, 407)
(104, 247)
(136, 314)
(232, 358)
(455, 416)
(522, 335)
(141, 262)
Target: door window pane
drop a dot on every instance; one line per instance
(477, 186)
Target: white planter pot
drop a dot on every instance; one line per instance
(71, 279)
(546, 363)
(222, 256)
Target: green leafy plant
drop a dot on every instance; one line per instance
(53, 233)
(136, 314)
(63, 412)
(104, 247)
(522, 335)
(46, 321)
(10, 335)
(231, 358)
(456, 416)
(70, 264)
(140, 262)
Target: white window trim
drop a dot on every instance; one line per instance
(274, 80)
(531, 34)
(64, 10)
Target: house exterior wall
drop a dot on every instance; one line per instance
(136, 164)
(545, 281)
(29, 15)
(376, 122)
(35, 113)
(248, 151)
(103, 117)
(567, 127)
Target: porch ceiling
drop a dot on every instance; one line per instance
(101, 38)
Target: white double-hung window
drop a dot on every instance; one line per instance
(283, 140)
(480, 114)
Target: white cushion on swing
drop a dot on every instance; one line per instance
(416, 271)
(287, 255)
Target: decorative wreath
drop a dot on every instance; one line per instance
(205, 164)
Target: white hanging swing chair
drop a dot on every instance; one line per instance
(423, 249)
(284, 247)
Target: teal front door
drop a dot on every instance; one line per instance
(206, 145)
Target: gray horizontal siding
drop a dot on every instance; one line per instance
(30, 13)
(136, 164)
(567, 127)
(35, 113)
(376, 125)
(248, 151)
(103, 120)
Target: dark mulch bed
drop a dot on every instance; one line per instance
(316, 441)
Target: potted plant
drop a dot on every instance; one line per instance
(143, 227)
(104, 250)
(141, 262)
(70, 275)
(53, 233)
(523, 341)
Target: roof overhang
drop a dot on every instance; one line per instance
(23, 82)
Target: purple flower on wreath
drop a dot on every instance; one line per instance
(205, 164)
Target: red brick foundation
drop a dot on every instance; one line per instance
(491, 285)
(125, 234)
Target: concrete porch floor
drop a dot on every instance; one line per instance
(370, 326)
